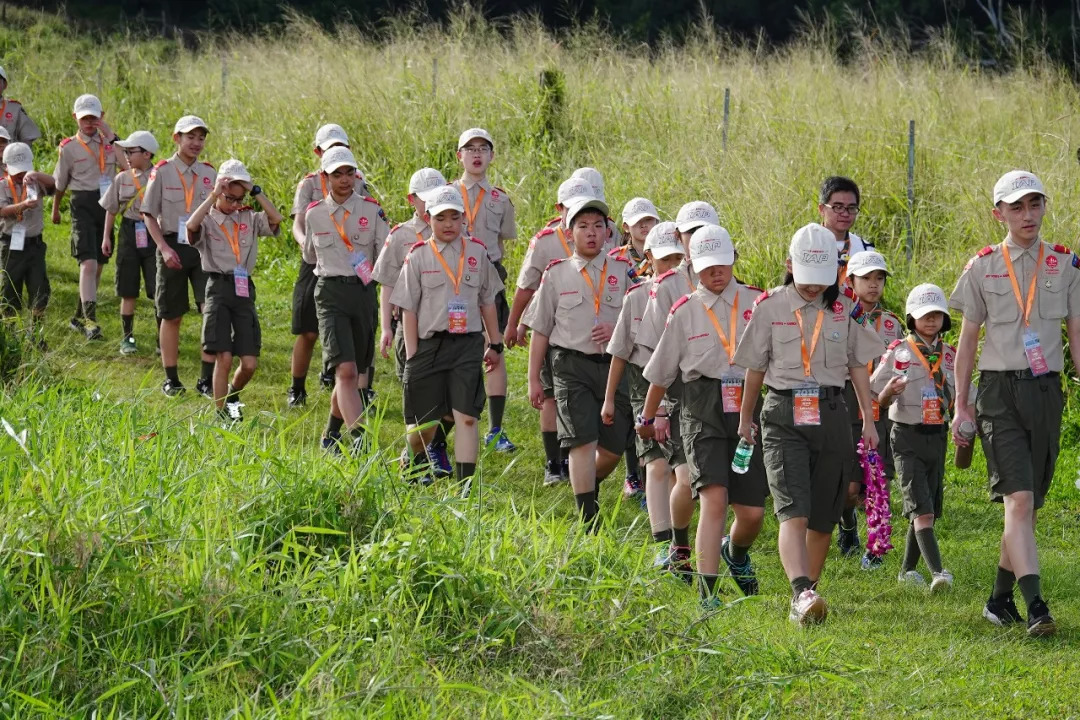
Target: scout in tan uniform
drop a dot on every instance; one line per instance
(662, 450)
(920, 401)
(446, 293)
(489, 216)
(802, 341)
(1021, 290)
(5, 138)
(698, 345)
(551, 243)
(342, 237)
(226, 233)
(13, 117)
(838, 206)
(177, 186)
(86, 163)
(22, 250)
(596, 181)
(135, 259)
(867, 273)
(574, 312)
(305, 323)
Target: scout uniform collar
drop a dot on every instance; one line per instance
(709, 298)
(595, 263)
(333, 205)
(796, 301)
(442, 245)
(181, 165)
(96, 137)
(1016, 249)
(469, 183)
(220, 217)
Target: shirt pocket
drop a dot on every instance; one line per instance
(494, 218)
(785, 346)
(1001, 304)
(1053, 300)
(175, 196)
(324, 240)
(432, 279)
(836, 345)
(569, 303)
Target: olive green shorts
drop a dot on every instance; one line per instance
(671, 450)
(444, 374)
(502, 309)
(399, 349)
(580, 383)
(171, 286)
(230, 323)
(919, 452)
(87, 226)
(304, 318)
(23, 270)
(346, 328)
(546, 381)
(135, 267)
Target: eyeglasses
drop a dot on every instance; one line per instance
(841, 209)
(476, 149)
(232, 199)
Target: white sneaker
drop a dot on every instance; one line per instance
(942, 581)
(911, 577)
(808, 608)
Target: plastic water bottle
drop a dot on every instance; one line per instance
(963, 454)
(741, 462)
(901, 361)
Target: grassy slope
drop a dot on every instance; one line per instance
(155, 565)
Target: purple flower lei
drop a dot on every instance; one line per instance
(878, 514)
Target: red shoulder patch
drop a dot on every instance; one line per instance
(207, 164)
(472, 239)
(65, 141)
(634, 287)
(678, 304)
(754, 288)
(311, 175)
(617, 252)
(544, 233)
(161, 163)
(668, 274)
(761, 298)
(1062, 250)
(553, 263)
(417, 245)
(371, 200)
(312, 204)
(985, 251)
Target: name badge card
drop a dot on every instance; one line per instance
(1033, 350)
(104, 183)
(731, 392)
(457, 314)
(181, 230)
(807, 405)
(931, 407)
(18, 237)
(240, 281)
(362, 266)
(141, 240)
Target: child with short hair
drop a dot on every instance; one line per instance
(839, 202)
(13, 118)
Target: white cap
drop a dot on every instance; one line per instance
(580, 204)
(329, 135)
(3, 73)
(711, 245)
(865, 262)
(235, 171)
(446, 197)
(87, 105)
(594, 178)
(189, 123)
(472, 134)
(637, 209)
(140, 139)
(1015, 184)
(337, 157)
(19, 158)
(693, 215)
(425, 180)
(926, 298)
(662, 240)
(4, 133)
(574, 188)
(813, 255)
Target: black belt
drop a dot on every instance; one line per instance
(220, 275)
(824, 391)
(447, 335)
(28, 238)
(594, 357)
(346, 279)
(1024, 374)
(923, 429)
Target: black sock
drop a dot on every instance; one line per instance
(911, 550)
(708, 585)
(157, 337)
(586, 505)
(207, 370)
(170, 373)
(128, 323)
(681, 536)
(929, 548)
(630, 455)
(78, 309)
(465, 471)
(662, 535)
(232, 395)
(333, 425)
(496, 407)
(371, 377)
(551, 448)
(299, 383)
(848, 521)
(799, 584)
(1003, 583)
(447, 427)
(441, 431)
(1030, 588)
(89, 308)
(596, 492)
(738, 553)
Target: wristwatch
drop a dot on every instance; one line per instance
(642, 420)
(497, 347)
(255, 190)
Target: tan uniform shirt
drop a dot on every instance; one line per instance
(690, 344)
(18, 124)
(622, 344)
(772, 341)
(666, 289)
(313, 188)
(165, 197)
(640, 267)
(126, 192)
(907, 406)
(32, 219)
(398, 243)
(984, 294)
(323, 244)
(213, 239)
(565, 308)
(426, 289)
(81, 168)
(493, 221)
(888, 327)
(547, 245)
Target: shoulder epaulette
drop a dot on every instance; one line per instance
(311, 175)
(207, 164)
(372, 200)
(311, 204)
(634, 287)
(761, 298)
(13, 100)
(161, 163)
(678, 304)
(245, 207)
(616, 252)
(394, 229)
(988, 250)
(417, 245)
(895, 343)
(472, 239)
(659, 279)
(544, 233)
(1061, 249)
(620, 258)
(754, 288)
(553, 221)
(65, 141)
(554, 262)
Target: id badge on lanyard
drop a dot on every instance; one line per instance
(807, 405)
(931, 406)
(104, 183)
(181, 230)
(141, 240)
(731, 389)
(1034, 352)
(240, 282)
(457, 314)
(18, 237)
(362, 266)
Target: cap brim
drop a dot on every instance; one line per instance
(80, 114)
(813, 275)
(925, 309)
(864, 271)
(707, 261)
(339, 164)
(635, 219)
(246, 182)
(15, 168)
(332, 142)
(691, 225)
(442, 207)
(469, 138)
(589, 204)
(189, 128)
(666, 251)
(1018, 194)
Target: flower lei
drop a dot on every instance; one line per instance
(878, 514)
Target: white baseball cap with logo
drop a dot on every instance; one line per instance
(4, 133)
(594, 178)
(425, 180)
(693, 215)
(87, 105)
(865, 262)
(663, 241)
(579, 205)
(813, 255)
(235, 171)
(140, 139)
(19, 158)
(1015, 184)
(473, 134)
(638, 209)
(329, 135)
(337, 157)
(444, 198)
(926, 298)
(189, 123)
(711, 245)
(574, 188)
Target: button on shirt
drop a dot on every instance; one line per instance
(32, 219)
(80, 168)
(666, 289)
(398, 243)
(323, 244)
(425, 289)
(549, 244)
(622, 344)
(690, 348)
(164, 198)
(126, 193)
(213, 241)
(494, 219)
(18, 124)
(564, 307)
(907, 406)
(985, 295)
(772, 341)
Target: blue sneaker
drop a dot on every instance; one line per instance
(440, 461)
(502, 443)
(743, 575)
(632, 487)
(644, 504)
(330, 443)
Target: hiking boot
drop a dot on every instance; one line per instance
(232, 409)
(93, 331)
(941, 581)
(679, 565)
(327, 379)
(632, 487)
(552, 475)
(127, 346)
(1039, 622)
(296, 398)
(848, 541)
(871, 562)
(77, 325)
(440, 461)
(743, 574)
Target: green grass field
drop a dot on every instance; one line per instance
(155, 565)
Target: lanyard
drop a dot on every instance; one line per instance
(562, 239)
(139, 189)
(813, 344)
(922, 358)
(592, 286)
(1026, 308)
(189, 194)
(15, 199)
(470, 214)
(234, 239)
(101, 153)
(460, 264)
(727, 342)
(322, 182)
(341, 228)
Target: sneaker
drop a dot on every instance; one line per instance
(632, 487)
(711, 603)
(173, 389)
(127, 346)
(565, 469)
(1039, 623)
(808, 608)
(330, 443)
(848, 541)
(664, 556)
(743, 575)
(941, 581)
(871, 562)
(911, 577)
(552, 475)
(368, 396)
(234, 412)
(93, 331)
(1002, 611)
(224, 418)
(77, 325)
(644, 503)
(296, 398)
(327, 379)
(679, 564)
(440, 461)
(205, 388)
(502, 443)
